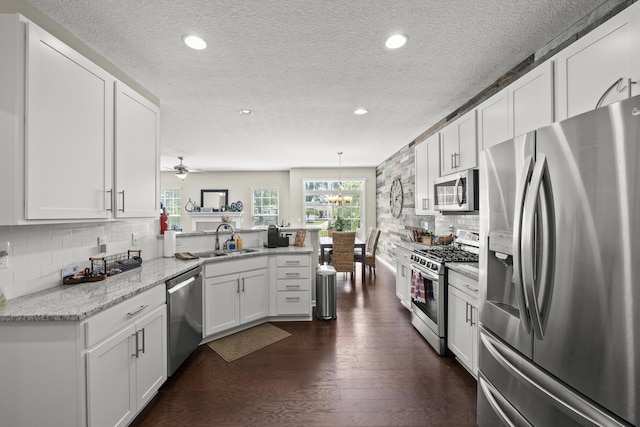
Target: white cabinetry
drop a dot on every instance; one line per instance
(590, 68)
(493, 120)
(99, 371)
(235, 293)
(57, 125)
(427, 161)
(125, 370)
(458, 145)
(531, 100)
(462, 327)
(137, 175)
(403, 276)
(524, 105)
(293, 284)
(68, 135)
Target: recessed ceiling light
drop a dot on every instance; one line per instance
(195, 42)
(396, 41)
(245, 111)
(360, 111)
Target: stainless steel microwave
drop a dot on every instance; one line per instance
(457, 192)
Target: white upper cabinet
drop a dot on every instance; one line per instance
(493, 120)
(68, 131)
(600, 68)
(137, 177)
(61, 119)
(531, 100)
(427, 161)
(458, 145)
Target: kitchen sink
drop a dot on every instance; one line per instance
(215, 254)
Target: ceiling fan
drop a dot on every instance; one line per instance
(182, 170)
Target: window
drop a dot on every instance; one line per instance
(265, 207)
(320, 212)
(171, 201)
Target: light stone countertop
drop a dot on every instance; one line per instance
(469, 269)
(77, 302)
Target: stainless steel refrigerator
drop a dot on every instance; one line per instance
(560, 273)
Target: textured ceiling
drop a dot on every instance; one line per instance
(304, 66)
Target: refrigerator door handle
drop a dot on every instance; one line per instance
(494, 398)
(559, 395)
(521, 192)
(537, 197)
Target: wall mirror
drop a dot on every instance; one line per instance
(215, 199)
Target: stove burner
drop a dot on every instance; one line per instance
(448, 254)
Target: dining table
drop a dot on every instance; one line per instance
(327, 243)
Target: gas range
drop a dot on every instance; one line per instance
(434, 258)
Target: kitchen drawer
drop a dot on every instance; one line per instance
(223, 267)
(293, 285)
(297, 302)
(117, 317)
(292, 273)
(292, 260)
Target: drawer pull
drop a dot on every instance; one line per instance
(293, 274)
(292, 262)
(133, 313)
(293, 298)
(293, 286)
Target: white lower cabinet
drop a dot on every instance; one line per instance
(462, 327)
(236, 292)
(125, 370)
(293, 285)
(403, 276)
(100, 371)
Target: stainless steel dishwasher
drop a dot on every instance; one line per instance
(184, 317)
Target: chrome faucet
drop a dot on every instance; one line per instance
(226, 225)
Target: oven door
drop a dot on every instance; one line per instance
(457, 192)
(428, 299)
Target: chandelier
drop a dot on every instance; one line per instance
(340, 199)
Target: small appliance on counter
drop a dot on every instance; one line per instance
(274, 240)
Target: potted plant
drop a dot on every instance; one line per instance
(338, 224)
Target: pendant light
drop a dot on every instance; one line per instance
(340, 199)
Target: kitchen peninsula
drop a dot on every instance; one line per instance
(60, 343)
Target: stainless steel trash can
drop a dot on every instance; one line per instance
(326, 292)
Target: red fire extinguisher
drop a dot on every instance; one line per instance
(163, 219)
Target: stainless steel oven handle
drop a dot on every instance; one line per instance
(517, 235)
(425, 273)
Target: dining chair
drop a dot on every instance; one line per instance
(342, 256)
(369, 258)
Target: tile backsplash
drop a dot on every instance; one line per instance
(40, 252)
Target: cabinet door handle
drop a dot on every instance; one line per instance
(143, 343)
(243, 284)
(121, 192)
(471, 317)
(110, 200)
(237, 286)
(466, 313)
(135, 352)
(452, 161)
(425, 204)
(134, 312)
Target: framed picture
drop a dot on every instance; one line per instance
(217, 200)
(299, 240)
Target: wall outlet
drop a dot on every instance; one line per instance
(134, 239)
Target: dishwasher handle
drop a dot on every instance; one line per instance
(181, 279)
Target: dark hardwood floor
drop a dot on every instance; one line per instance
(369, 367)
